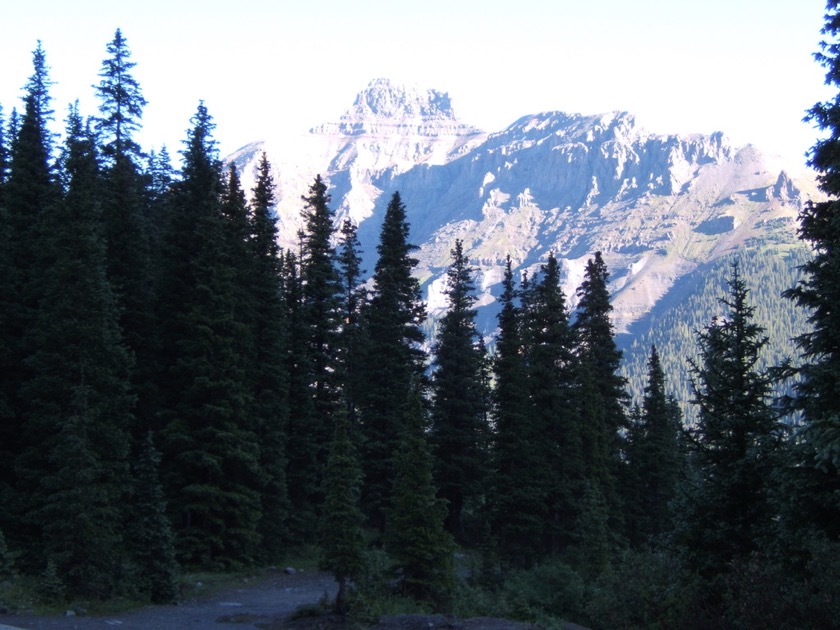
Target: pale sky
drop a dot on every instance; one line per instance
(744, 67)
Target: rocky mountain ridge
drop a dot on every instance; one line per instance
(658, 206)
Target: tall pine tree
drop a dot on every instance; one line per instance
(209, 443)
(268, 363)
(735, 443)
(353, 299)
(552, 368)
(315, 397)
(460, 432)
(393, 318)
(121, 101)
(655, 460)
(125, 202)
(150, 540)
(415, 536)
(602, 387)
(819, 292)
(521, 471)
(342, 538)
(30, 194)
(73, 465)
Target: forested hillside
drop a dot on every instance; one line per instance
(675, 322)
(180, 394)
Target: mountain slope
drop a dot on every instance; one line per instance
(659, 207)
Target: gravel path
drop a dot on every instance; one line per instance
(258, 603)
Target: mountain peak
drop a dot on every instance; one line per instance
(384, 98)
(392, 107)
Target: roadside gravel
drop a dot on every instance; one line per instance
(261, 602)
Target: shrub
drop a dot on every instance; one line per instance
(552, 590)
(645, 589)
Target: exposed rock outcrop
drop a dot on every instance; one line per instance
(657, 206)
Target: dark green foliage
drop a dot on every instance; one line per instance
(51, 587)
(121, 101)
(302, 455)
(314, 388)
(150, 539)
(547, 593)
(603, 393)
(7, 564)
(460, 433)
(643, 589)
(158, 177)
(552, 372)
(7, 357)
(342, 540)
(210, 447)
(29, 194)
(5, 154)
(353, 297)
(393, 318)
(694, 302)
(655, 460)
(137, 299)
(415, 536)
(818, 293)
(590, 553)
(127, 232)
(73, 465)
(727, 507)
(271, 382)
(321, 301)
(520, 478)
(38, 85)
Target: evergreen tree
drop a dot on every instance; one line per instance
(73, 465)
(209, 443)
(239, 254)
(321, 299)
(29, 196)
(734, 445)
(591, 554)
(7, 565)
(522, 478)
(415, 536)
(302, 452)
(314, 401)
(552, 369)
(393, 318)
(5, 154)
(38, 87)
(271, 342)
(459, 434)
(6, 365)
(819, 292)
(121, 101)
(353, 298)
(654, 460)
(159, 176)
(150, 539)
(271, 382)
(126, 230)
(602, 387)
(342, 539)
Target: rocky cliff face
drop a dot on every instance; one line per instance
(658, 207)
(390, 128)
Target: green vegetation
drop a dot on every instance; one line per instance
(672, 325)
(182, 396)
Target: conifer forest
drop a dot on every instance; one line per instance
(180, 394)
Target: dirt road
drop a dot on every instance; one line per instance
(259, 603)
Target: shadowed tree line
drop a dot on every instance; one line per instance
(180, 393)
